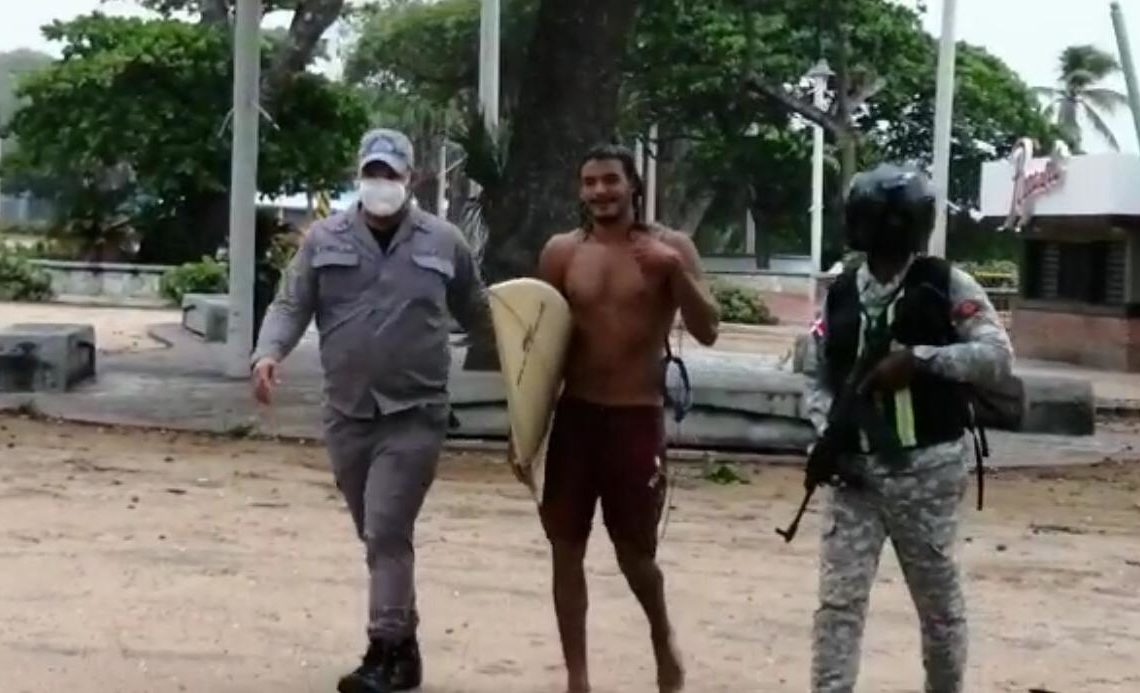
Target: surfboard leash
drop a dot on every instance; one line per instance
(678, 421)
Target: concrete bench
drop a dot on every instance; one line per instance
(46, 357)
(206, 315)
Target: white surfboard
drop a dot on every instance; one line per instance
(532, 331)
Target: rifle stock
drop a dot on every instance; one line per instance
(852, 411)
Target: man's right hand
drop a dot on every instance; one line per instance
(264, 379)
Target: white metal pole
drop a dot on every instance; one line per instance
(1, 179)
(651, 176)
(1127, 65)
(441, 188)
(489, 50)
(243, 186)
(817, 182)
(943, 119)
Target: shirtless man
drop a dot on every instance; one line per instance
(625, 282)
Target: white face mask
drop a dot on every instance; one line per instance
(382, 197)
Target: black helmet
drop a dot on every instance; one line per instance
(890, 210)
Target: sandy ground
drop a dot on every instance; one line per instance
(140, 562)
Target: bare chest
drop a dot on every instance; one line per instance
(608, 278)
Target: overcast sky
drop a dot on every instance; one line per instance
(1028, 34)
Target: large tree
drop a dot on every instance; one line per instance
(567, 102)
(723, 79)
(135, 115)
(290, 57)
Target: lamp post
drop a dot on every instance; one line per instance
(651, 175)
(1126, 63)
(489, 51)
(943, 115)
(819, 75)
(243, 187)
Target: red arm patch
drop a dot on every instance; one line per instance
(818, 327)
(966, 310)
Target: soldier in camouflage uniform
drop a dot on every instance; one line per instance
(945, 335)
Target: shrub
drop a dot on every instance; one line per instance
(740, 304)
(20, 280)
(205, 277)
(994, 274)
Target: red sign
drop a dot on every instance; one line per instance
(1028, 187)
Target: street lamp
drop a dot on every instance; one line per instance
(819, 75)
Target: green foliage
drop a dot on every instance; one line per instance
(993, 108)
(724, 474)
(995, 274)
(208, 276)
(740, 304)
(1078, 96)
(686, 73)
(20, 280)
(431, 48)
(134, 116)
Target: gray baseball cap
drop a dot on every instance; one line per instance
(389, 146)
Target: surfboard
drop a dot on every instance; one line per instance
(532, 326)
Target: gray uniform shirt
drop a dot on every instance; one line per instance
(982, 355)
(382, 316)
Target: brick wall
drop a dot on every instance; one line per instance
(1097, 341)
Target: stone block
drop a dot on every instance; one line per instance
(1063, 406)
(46, 357)
(206, 315)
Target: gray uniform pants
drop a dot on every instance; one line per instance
(918, 511)
(384, 468)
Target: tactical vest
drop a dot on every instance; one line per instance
(933, 409)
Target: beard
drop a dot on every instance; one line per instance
(606, 213)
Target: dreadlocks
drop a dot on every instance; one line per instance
(611, 151)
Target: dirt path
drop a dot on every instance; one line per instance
(147, 562)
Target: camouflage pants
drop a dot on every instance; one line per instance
(918, 511)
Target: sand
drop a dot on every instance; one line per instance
(144, 562)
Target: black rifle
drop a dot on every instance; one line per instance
(853, 410)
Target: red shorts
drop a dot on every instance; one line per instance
(615, 454)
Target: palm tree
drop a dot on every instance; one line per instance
(1082, 68)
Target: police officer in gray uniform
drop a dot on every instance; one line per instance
(945, 336)
(381, 280)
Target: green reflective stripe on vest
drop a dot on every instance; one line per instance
(864, 444)
(904, 404)
(904, 419)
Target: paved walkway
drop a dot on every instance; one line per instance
(170, 379)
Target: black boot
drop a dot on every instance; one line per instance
(371, 676)
(405, 666)
(387, 668)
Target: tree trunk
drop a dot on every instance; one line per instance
(683, 205)
(426, 186)
(568, 101)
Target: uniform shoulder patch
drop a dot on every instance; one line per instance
(967, 309)
(818, 327)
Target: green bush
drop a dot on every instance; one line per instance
(742, 305)
(994, 274)
(205, 277)
(20, 280)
